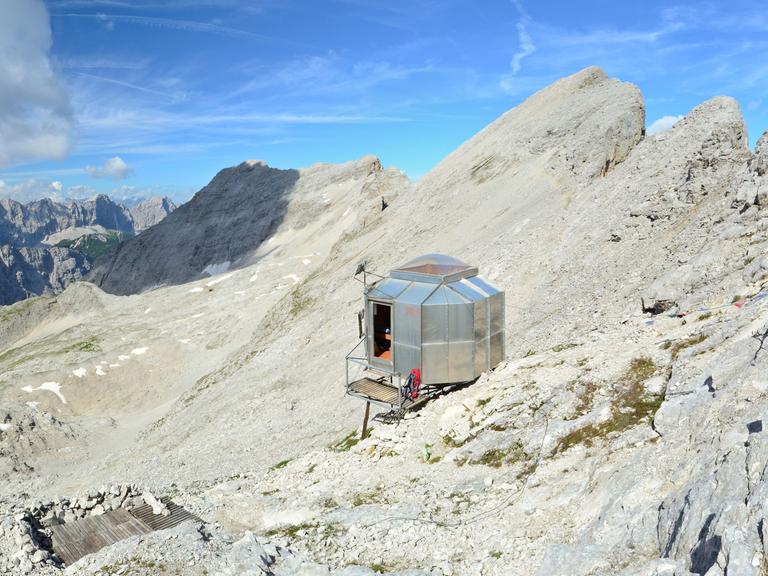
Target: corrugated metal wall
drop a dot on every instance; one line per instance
(453, 332)
(406, 332)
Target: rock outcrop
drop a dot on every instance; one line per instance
(149, 212)
(26, 272)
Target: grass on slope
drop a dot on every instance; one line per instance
(95, 245)
(631, 405)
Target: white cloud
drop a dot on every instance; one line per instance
(114, 168)
(526, 45)
(31, 189)
(81, 192)
(35, 116)
(663, 124)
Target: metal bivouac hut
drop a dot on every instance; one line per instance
(433, 314)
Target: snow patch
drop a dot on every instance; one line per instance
(80, 372)
(196, 289)
(306, 261)
(114, 365)
(198, 315)
(254, 277)
(293, 277)
(123, 357)
(139, 351)
(184, 340)
(33, 405)
(219, 279)
(5, 427)
(147, 310)
(54, 387)
(346, 212)
(100, 371)
(214, 269)
(239, 292)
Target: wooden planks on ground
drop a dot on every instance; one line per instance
(160, 522)
(73, 540)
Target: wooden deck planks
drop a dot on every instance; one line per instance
(160, 522)
(73, 540)
(375, 390)
(386, 393)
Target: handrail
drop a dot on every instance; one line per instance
(364, 361)
(355, 347)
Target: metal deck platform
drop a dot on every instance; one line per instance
(382, 393)
(73, 540)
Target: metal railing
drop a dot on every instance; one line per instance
(363, 361)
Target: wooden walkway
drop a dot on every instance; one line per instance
(73, 540)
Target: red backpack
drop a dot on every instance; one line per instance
(415, 377)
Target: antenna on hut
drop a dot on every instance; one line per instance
(361, 270)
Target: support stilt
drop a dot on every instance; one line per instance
(365, 421)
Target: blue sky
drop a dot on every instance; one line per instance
(145, 97)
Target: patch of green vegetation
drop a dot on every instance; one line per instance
(374, 496)
(381, 568)
(89, 345)
(585, 398)
(494, 554)
(290, 531)
(582, 362)
(496, 457)
(434, 459)
(329, 503)
(564, 346)
(94, 245)
(630, 406)
(451, 442)
(348, 442)
(281, 464)
(705, 316)
(19, 308)
(677, 346)
(496, 427)
(270, 492)
(300, 301)
(311, 468)
(483, 402)
(529, 353)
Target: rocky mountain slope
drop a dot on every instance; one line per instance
(229, 219)
(45, 245)
(623, 435)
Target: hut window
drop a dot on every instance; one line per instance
(382, 331)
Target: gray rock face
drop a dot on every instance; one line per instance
(150, 212)
(229, 219)
(29, 268)
(28, 272)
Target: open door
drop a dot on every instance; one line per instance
(382, 331)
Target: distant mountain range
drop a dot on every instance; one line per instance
(46, 245)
